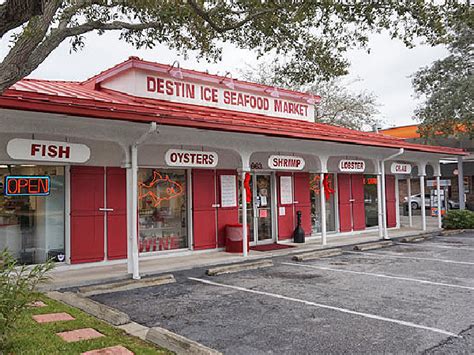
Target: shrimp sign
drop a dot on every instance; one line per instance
(191, 158)
(286, 162)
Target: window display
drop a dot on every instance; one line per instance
(329, 196)
(162, 209)
(32, 215)
(370, 200)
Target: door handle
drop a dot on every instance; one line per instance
(215, 205)
(352, 200)
(103, 209)
(295, 202)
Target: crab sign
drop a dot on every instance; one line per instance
(160, 189)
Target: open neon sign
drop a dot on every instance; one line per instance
(27, 186)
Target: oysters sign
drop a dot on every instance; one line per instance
(191, 158)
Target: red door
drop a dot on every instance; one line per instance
(303, 200)
(87, 221)
(358, 207)
(226, 215)
(285, 216)
(204, 209)
(391, 201)
(117, 214)
(344, 197)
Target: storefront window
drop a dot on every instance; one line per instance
(32, 227)
(370, 200)
(162, 209)
(316, 203)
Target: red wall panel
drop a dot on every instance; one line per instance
(204, 214)
(358, 208)
(116, 219)
(285, 223)
(391, 201)
(87, 222)
(226, 215)
(344, 197)
(303, 200)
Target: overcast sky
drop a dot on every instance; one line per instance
(385, 71)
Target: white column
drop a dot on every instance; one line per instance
(438, 193)
(410, 215)
(244, 216)
(384, 201)
(323, 209)
(379, 205)
(462, 201)
(134, 211)
(129, 219)
(397, 200)
(423, 204)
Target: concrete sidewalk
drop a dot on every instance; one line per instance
(66, 276)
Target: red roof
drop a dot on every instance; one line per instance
(83, 99)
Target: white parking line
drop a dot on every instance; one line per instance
(380, 275)
(434, 246)
(314, 304)
(381, 255)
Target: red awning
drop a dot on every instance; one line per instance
(83, 99)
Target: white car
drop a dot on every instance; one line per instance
(416, 202)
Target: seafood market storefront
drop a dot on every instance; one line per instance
(146, 158)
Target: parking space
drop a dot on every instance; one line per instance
(406, 298)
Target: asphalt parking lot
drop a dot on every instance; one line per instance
(410, 298)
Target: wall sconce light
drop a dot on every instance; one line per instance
(314, 100)
(175, 70)
(275, 93)
(228, 81)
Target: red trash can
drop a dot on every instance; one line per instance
(234, 236)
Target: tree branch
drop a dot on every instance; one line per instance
(221, 29)
(14, 13)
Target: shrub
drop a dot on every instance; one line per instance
(459, 219)
(18, 285)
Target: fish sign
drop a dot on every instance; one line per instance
(160, 189)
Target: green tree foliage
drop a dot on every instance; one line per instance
(339, 105)
(448, 89)
(459, 219)
(18, 285)
(309, 36)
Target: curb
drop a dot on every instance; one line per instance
(317, 254)
(126, 285)
(227, 269)
(418, 238)
(448, 232)
(96, 309)
(177, 343)
(371, 246)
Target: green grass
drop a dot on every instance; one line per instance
(30, 337)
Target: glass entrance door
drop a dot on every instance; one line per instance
(262, 208)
